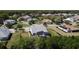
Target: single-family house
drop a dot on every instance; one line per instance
(9, 21)
(69, 19)
(47, 21)
(73, 18)
(43, 14)
(4, 33)
(38, 29)
(49, 14)
(76, 17)
(25, 18)
(68, 28)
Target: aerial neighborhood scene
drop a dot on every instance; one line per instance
(39, 29)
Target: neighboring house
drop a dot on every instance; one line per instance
(4, 33)
(73, 19)
(38, 29)
(69, 19)
(47, 21)
(9, 21)
(25, 18)
(76, 17)
(68, 28)
(64, 14)
(47, 14)
(43, 14)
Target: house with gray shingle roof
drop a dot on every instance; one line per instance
(39, 29)
(9, 21)
(4, 33)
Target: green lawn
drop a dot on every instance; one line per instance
(16, 38)
(52, 32)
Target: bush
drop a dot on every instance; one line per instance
(56, 42)
(39, 43)
(3, 45)
(19, 25)
(31, 22)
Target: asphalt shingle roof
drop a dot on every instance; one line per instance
(4, 32)
(37, 28)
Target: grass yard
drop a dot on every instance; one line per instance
(25, 24)
(16, 38)
(52, 32)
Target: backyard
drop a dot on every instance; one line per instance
(16, 37)
(53, 33)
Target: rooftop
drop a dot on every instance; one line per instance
(37, 28)
(70, 27)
